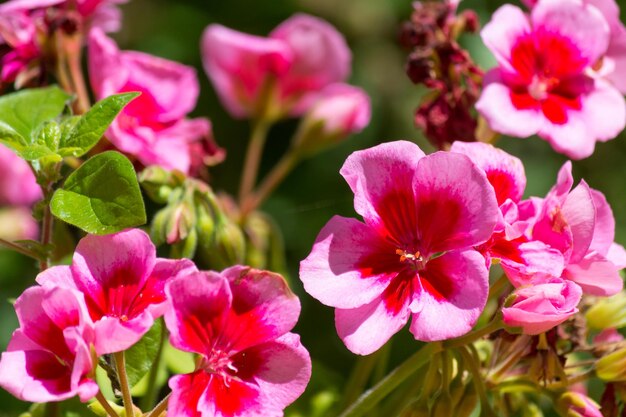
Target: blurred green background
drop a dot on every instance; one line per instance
(314, 192)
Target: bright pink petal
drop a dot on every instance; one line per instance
(186, 392)
(57, 276)
(281, 369)
(199, 305)
(456, 205)
(596, 275)
(106, 72)
(496, 107)
(239, 65)
(572, 138)
(502, 32)
(616, 53)
(523, 261)
(18, 185)
(341, 270)
(233, 399)
(604, 111)
(579, 212)
(365, 329)
(584, 25)
(504, 171)
(263, 308)
(461, 281)
(617, 255)
(381, 179)
(604, 231)
(115, 335)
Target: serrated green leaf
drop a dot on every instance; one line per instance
(102, 196)
(140, 357)
(26, 110)
(89, 129)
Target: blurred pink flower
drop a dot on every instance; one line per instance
(275, 76)
(239, 323)
(49, 356)
(153, 127)
(17, 223)
(123, 283)
(544, 83)
(380, 272)
(342, 110)
(540, 307)
(18, 186)
(608, 336)
(521, 258)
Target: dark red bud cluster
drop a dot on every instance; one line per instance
(438, 62)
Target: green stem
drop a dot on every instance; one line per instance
(495, 324)
(149, 398)
(160, 408)
(372, 397)
(105, 404)
(258, 137)
(46, 235)
(52, 409)
(269, 184)
(18, 249)
(473, 368)
(358, 378)
(497, 287)
(120, 363)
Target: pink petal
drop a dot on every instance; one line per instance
(584, 25)
(617, 255)
(237, 398)
(281, 369)
(16, 5)
(239, 64)
(504, 172)
(456, 205)
(337, 271)
(199, 305)
(186, 392)
(57, 276)
(263, 307)
(596, 275)
(106, 72)
(18, 185)
(115, 335)
(496, 107)
(604, 111)
(502, 32)
(572, 139)
(531, 258)
(365, 329)
(381, 179)
(580, 214)
(604, 231)
(455, 314)
(616, 53)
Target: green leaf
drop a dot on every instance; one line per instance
(49, 135)
(86, 133)
(102, 196)
(11, 138)
(26, 110)
(140, 357)
(34, 152)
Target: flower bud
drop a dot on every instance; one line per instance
(538, 308)
(573, 404)
(339, 111)
(264, 243)
(159, 183)
(227, 246)
(468, 403)
(608, 313)
(612, 367)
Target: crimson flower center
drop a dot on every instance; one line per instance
(220, 364)
(413, 259)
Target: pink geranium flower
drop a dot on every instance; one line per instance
(123, 283)
(18, 186)
(341, 110)
(520, 257)
(277, 75)
(413, 255)
(49, 357)
(153, 127)
(544, 83)
(238, 322)
(538, 308)
(580, 224)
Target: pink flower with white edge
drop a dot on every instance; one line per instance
(239, 322)
(580, 224)
(413, 254)
(49, 357)
(153, 127)
(18, 186)
(544, 83)
(274, 76)
(123, 283)
(520, 257)
(540, 307)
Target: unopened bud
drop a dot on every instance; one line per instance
(612, 367)
(443, 406)
(574, 404)
(159, 183)
(608, 312)
(227, 246)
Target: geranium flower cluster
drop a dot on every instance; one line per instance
(237, 321)
(433, 226)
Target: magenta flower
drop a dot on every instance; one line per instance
(123, 283)
(538, 308)
(544, 83)
(576, 404)
(153, 127)
(380, 272)
(49, 357)
(270, 77)
(520, 257)
(580, 224)
(238, 322)
(18, 186)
